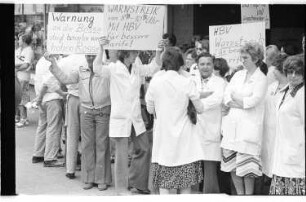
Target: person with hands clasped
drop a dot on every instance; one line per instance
(95, 110)
(125, 118)
(243, 128)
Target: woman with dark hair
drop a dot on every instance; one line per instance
(220, 67)
(125, 117)
(288, 168)
(177, 152)
(24, 57)
(269, 129)
(242, 130)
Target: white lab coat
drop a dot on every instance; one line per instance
(289, 153)
(242, 129)
(125, 94)
(210, 121)
(269, 129)
(176, 141)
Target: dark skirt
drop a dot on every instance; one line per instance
(177, 177)
(287, 186)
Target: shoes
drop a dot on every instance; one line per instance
(139, 191)
(70, 175)
(22, 123)
(88, 186)
(37, 159)
(102, 187)
(53, 163)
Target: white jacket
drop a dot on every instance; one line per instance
(176, 141)
(210, 120)
(289, 153)
(242, 129)
(125, 94)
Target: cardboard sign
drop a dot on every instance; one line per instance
(255, 13)
(225, 41)
(134, 27)
(74, 33)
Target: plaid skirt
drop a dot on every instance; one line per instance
(177, 177)
(245, 165)
(287, 186)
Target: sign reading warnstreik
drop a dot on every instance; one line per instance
(128, 27)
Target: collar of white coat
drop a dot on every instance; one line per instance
(255, 75)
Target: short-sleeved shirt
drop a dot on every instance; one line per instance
(25, 55)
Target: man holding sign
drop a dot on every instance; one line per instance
(125, 119)
(95, 109)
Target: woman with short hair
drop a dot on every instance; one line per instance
(177, 152)
(269, 131)
(242, 130)
(289, 151)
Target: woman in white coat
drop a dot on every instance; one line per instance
(177, 152)
(269, 130)
(289, 151)
(242, 130)
(125, 117)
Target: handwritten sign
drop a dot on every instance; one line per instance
(76, 33)
(226, 40)
(255, 13)
(134, 27)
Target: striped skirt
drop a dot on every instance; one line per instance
(245, 165)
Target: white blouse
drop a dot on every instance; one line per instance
(242, 129)
(289, 152)
(176, 141)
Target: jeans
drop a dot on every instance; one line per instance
(95, 162)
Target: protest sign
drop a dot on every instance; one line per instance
(134, 27)
(74, 33)
(255, 13)
(226, 40)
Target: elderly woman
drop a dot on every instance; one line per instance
(177, 151)
(289, 151)
(269, 131)
(24, 56)
(242, 130)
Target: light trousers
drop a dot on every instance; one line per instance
(48, 132)
(137, 175)
(73, 132)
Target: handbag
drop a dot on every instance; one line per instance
(192, 113)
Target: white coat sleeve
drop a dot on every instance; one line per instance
(229, 89)
(194, 96)
(259, 93)
(300, 103)
(215, 99)
(103, 70)
(150, 98)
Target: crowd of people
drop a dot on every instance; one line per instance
(177, 114)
